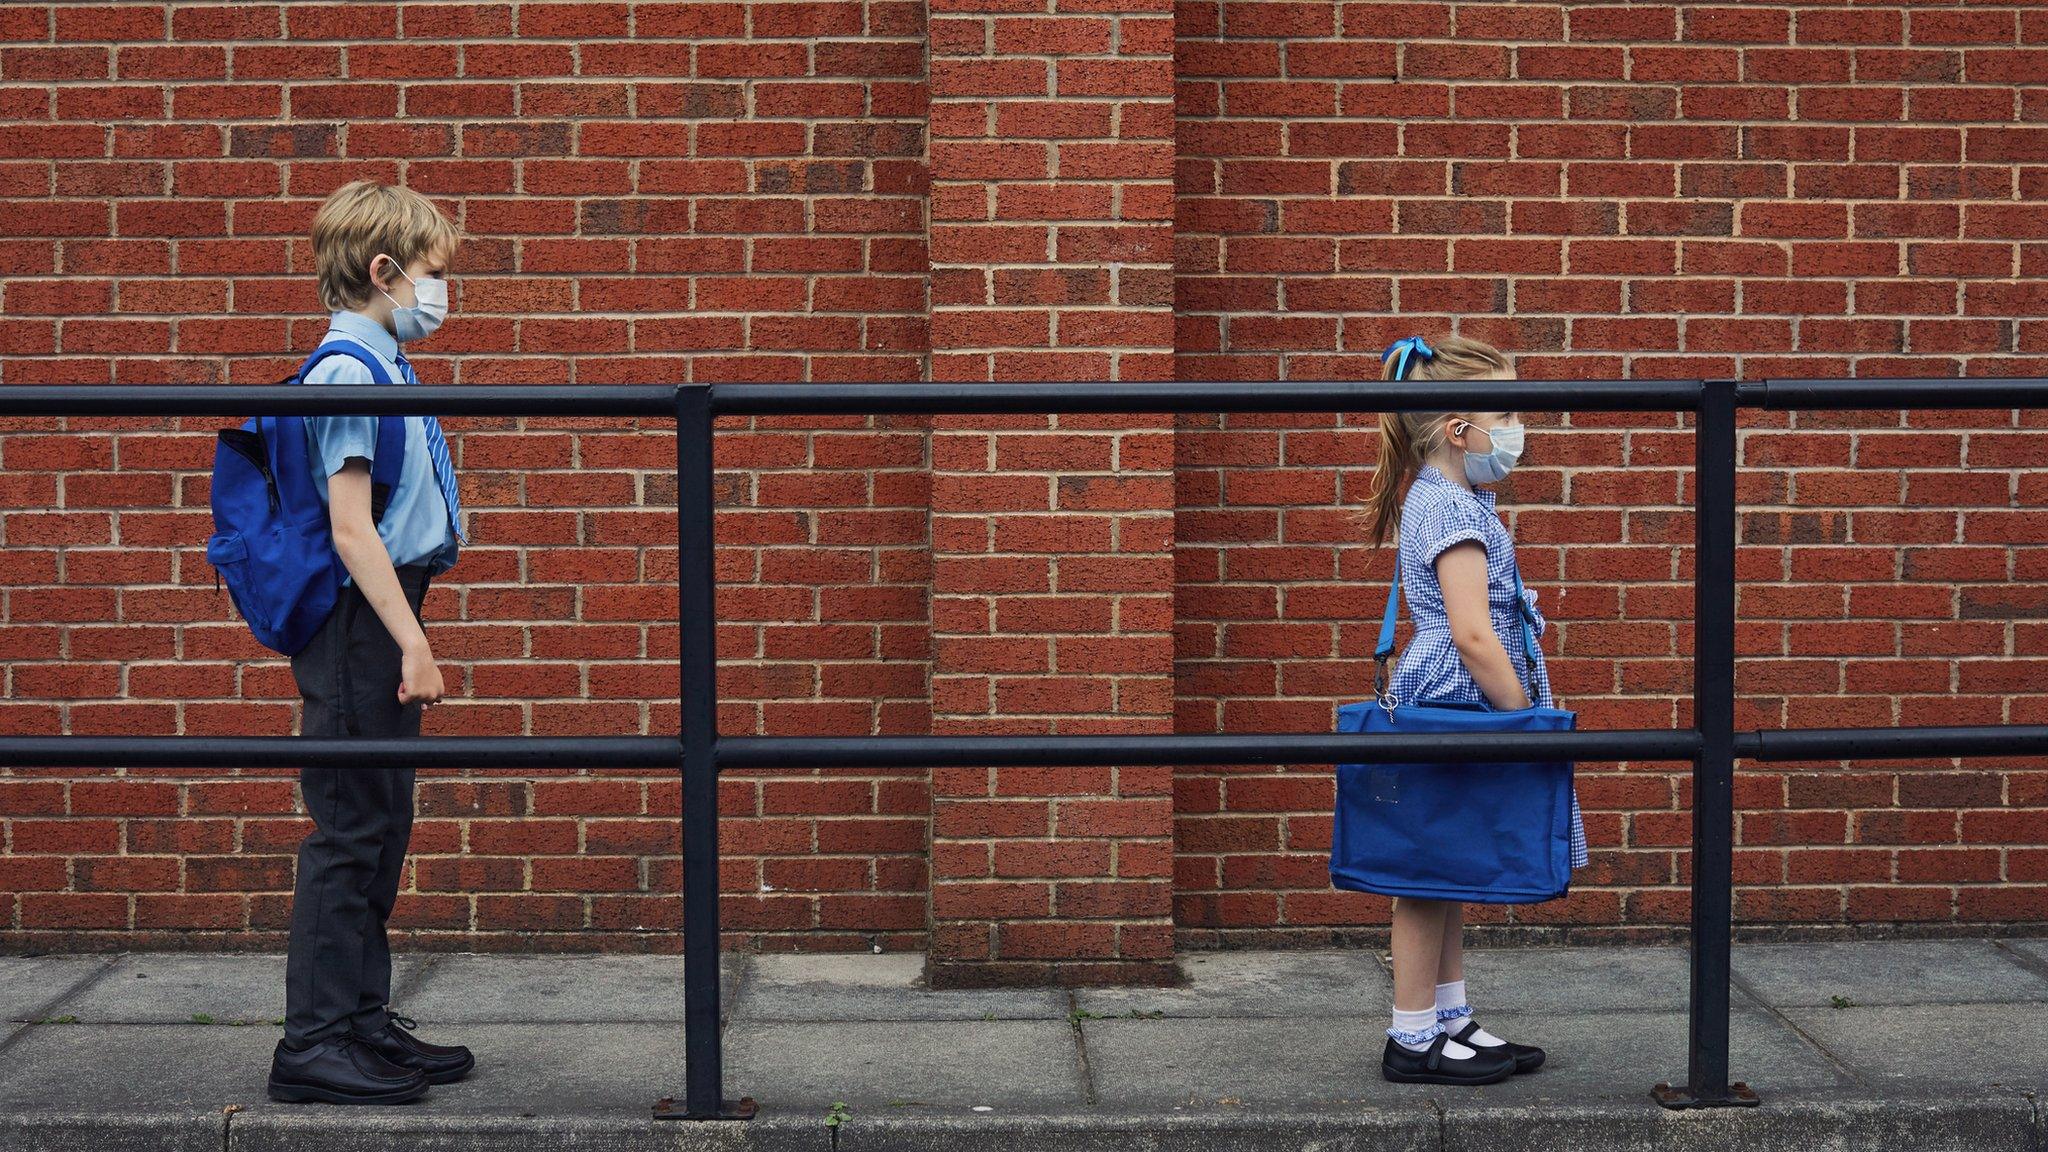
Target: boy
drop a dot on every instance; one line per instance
(379, 254)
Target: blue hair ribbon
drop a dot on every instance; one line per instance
(1407, 348)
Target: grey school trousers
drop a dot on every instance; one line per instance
(338, 973)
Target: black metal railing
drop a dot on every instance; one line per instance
(1712, 744)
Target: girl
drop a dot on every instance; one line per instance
(1457, 567)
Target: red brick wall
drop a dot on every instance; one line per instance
(1052, 536)
(712, 191)
(655, 191)
(1631, 190)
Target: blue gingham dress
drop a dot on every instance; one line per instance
(1438, 513)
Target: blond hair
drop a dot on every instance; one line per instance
(363, 220)
(1408, 438)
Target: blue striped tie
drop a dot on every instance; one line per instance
(437, 448)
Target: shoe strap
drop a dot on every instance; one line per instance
(1434, 1058)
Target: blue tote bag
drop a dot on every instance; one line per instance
(1480, 833)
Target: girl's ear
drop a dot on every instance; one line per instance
(1456, 428)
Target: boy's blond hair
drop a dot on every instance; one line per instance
(363, 220)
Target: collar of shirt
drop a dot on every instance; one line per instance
(1434, 475)
(366, 332)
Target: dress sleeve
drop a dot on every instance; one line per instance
(337, 439)
(1450, 523)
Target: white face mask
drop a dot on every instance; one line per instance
(418, 320)
(1495, 463)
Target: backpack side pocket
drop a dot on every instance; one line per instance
(229, 554)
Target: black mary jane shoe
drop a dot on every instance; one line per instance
(1528, 1057)
(441, 1063)
(341, 1070)
(1431, 1066)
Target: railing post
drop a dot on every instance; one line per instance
(1713, 772)
(703, 1054)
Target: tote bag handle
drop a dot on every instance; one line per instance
(1385, 648)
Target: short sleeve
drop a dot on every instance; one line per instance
(1448, 523)
(335, 440)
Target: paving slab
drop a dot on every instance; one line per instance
(1885, 972)
(1594, 1056)
(1577, 980)
(1978, 1045)
(1257, 1063)
(886, 987)
(100, 1132)
(135, 1069)
(168, 988)
(1408, 1128)
(1007, 1065)
(1251, 1062)
(1254, 984)
(386, 1129)
(29, 984)
(1785, 1122)
(464, 988)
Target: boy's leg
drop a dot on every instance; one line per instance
(375, 666)
(339, 859)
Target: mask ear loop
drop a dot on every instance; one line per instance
(396, 266)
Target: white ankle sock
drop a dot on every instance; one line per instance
(1452, 1012)
(1415, 1031)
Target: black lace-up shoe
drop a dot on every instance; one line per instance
(441, 1063)
(1431, 1066)
(1528, 1057)
(341, 1070)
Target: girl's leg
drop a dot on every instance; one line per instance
(1449, 992)
(1418, 950)
(1418, 946)
(1450, 964)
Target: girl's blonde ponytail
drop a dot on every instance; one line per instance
(1407, 438)
(1383, 499)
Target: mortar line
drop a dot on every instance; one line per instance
(42, 1011)
(1743, 985)
(1081, 1049)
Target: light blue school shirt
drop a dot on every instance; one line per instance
(415, 527)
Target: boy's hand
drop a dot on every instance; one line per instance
(418, 678)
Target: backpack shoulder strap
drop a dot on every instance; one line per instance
(390, 459)
(353, 351)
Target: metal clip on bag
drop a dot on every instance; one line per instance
(1479, 833)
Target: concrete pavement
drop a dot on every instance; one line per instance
(1911, 1044)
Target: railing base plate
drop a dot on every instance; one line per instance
(1739, 1095)
(741, 1109)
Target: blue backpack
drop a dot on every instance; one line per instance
(272, 543)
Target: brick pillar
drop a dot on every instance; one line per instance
(1052, 586)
